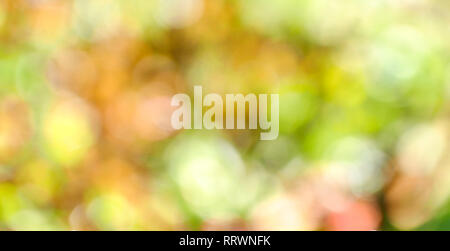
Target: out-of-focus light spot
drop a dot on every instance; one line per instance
(152, 119)
(77, 218)
(137, 16)
(357, 216)
(421, 187)
(276, 153)
(68, 131)
(96, 20)
(49, 20)
(269, 16)
(282, 213)
(30, 81)
(210, 175)
(409, 201)
(15, 126)
(421, 148)
(330, 189)
(165, 211)
(112, 212)
(72, 70)
(328, 22)
(179, 13)
(33, 220)
(38, 181)
(361, 163)
(138, 116)
(10, 201)
(393, 60)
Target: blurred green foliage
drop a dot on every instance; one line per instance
(85, 136)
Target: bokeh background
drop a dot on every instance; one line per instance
(85, 135)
